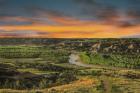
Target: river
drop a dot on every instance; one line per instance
(75, 59)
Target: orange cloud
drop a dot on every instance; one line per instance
(69, 27)
(84, 31)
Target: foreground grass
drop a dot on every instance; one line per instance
(85, 82)
(90, 84)
(90, 80)
(81, 83)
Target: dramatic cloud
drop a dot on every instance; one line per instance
(112, 11)
(100, 31)
(69, 18)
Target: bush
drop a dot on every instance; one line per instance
(96, 72)
(84, 57)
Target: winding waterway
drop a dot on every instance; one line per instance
(75, 59)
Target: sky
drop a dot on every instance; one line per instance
(70, 18)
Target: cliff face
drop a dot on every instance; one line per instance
(120, 47)
(102, 46)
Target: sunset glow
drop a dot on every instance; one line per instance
(50, 19)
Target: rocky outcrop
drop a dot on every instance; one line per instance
(120, 47)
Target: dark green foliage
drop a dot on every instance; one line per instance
(126, 60)
(116, 60)
(66, 77)
(84, 57)
(96, 72)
